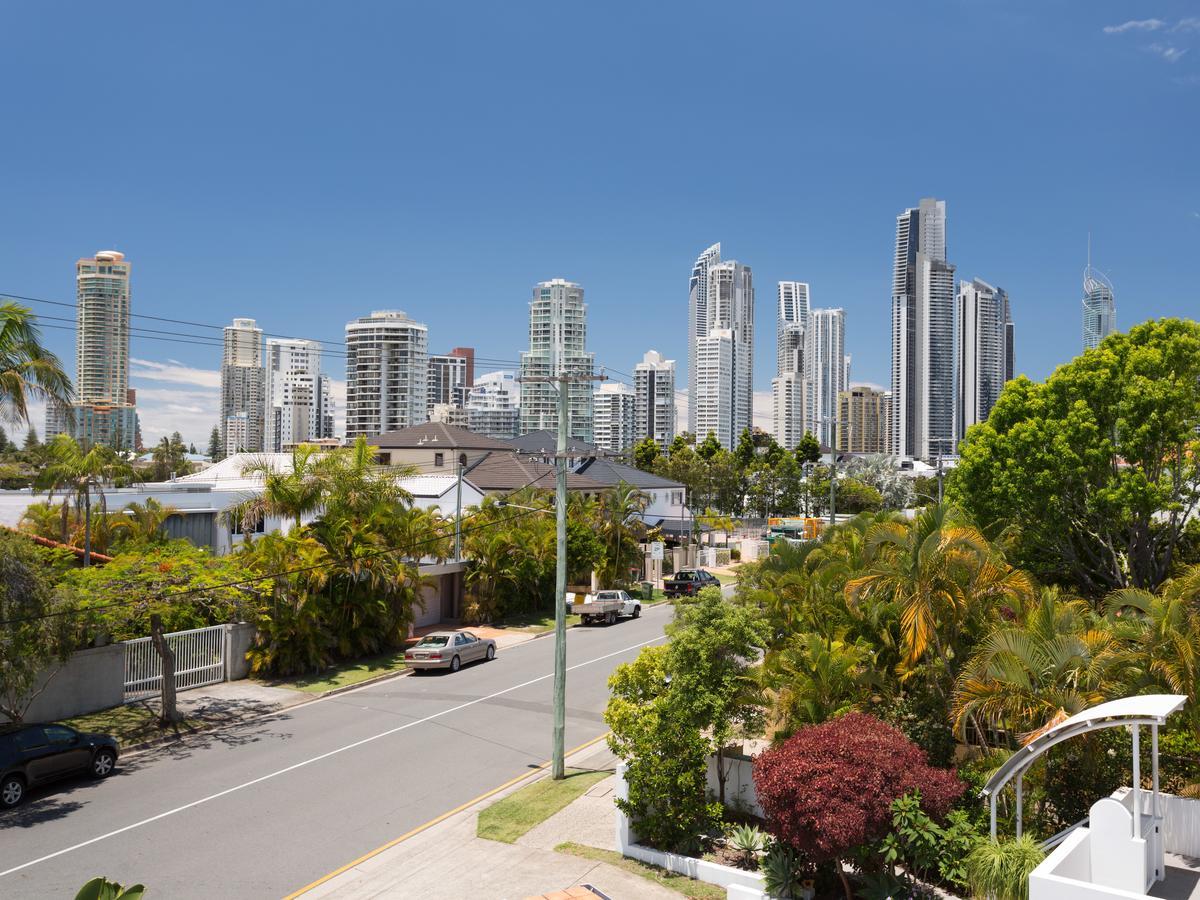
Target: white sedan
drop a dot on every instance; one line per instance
(448, 650)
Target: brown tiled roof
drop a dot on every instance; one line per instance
(509, 472)
(436, 436)
(100, 558)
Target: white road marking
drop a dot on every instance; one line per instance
(299, 765)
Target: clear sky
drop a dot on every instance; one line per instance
(304, 163)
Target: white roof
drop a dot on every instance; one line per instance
(230, 468)
(428, 485)
(1146, 706)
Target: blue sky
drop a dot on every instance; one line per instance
(304, 163)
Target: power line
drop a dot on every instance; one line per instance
(167, 596)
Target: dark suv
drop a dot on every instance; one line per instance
(31, 755)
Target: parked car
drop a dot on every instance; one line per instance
(448, 650)
(31, 755)
(689, 582)
(606, 607)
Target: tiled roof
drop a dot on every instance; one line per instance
(436, 435)
(510, 472)
(545, 443)
(609, 473)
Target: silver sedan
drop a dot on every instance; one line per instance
(448, 650)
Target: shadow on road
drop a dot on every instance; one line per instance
(42, 806)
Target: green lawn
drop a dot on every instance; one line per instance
(130, 724)
(345, 673)
(533, 622)
(726, 579)
(508, 819)
(687, 887)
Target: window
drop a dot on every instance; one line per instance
(30, 739)
(59, 736)
(462, 460)
(439, 459)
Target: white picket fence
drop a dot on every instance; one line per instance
(199, 660)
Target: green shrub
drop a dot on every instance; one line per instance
(1000, 871)
(782, 871)
(749, 841)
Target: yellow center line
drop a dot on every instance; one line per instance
(434, 821)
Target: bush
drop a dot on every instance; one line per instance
(1000, 871)
(828, 789)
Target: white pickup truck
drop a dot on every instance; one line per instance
(606, 607)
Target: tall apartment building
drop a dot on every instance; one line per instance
(791, 321)
(613, 406)
(983, 351)
(451, 376)
(1099, 307)
(698, 321)
(789, 390)
(557, 345)
(243, 388)
(494, 406)
(387, 373)
(826, 372)
(654, 401)
(923, 419)
(862, 425)
(725, 351)
(299, 402)
(103, 411)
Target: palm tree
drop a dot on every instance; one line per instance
(28, 371)
(290, 493)
(621, 509)
(43, 520)
(1058, 660)
(143, 522)
(942, 574)
(78, 474)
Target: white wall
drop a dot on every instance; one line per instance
(739, 783)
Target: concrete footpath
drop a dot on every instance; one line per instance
(448, 861)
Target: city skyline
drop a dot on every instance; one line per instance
(311, 227)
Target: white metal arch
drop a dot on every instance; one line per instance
(1147, 709)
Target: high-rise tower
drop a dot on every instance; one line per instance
(299, 405)
(983, 351)
(103, 409)
(724, 395)
(922, 335)
(557, 346)
(387, 373)
(791, 321)
(243, 388)
(654, 407)
(1099, 305)
(698, 320)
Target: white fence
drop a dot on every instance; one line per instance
(199, 660)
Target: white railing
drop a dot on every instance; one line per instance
(199, 660)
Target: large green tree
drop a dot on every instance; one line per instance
(28, 371)
(1098, 468)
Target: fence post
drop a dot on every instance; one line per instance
(227, 637)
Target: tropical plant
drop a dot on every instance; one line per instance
(782, 870)
(78, 474)
(621, 508)
(101, 888)
(749, 841)
(143, 523)
(1000, 871)
(28, 371)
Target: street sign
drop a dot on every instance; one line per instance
(656, 550)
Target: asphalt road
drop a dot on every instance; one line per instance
(262, 809)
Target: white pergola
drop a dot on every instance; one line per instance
(1132, 712)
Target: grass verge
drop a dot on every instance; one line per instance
(131, 724)
(345, 674)
(687, 887)
(532, 622)
(508, 819)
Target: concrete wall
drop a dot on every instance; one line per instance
(739, 783)
(1181, 820)
(238, 639)
(89, 681)
(1061, 874)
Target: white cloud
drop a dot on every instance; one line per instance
(1135, 25)
(1192, 23)
(1168, 52)
(175, 372)
(869, 384)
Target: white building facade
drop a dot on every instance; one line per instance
(613, 406)
(387, 373)
(725, 350)
(557, 346)
(242, 388)
(983, 351)
(299, 404)
(923, 408)
(494, 406)
(826, 371)
(654, 400)
(451, 376)
(698, 322)
(1099, 308)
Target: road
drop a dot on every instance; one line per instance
(262, 809)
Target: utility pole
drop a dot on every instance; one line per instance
(939, 479)
(832, 482)
(561, 383)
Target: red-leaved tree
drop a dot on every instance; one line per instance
(827, 790)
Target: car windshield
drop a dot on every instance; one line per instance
(609, 595)
(434, 640)
(682, 576)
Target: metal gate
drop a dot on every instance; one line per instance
(199, 660)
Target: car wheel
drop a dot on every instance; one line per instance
(103, 763)
(637, 611)
(491, 653)
(610, 619)
(12, 791)
(455, 664)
